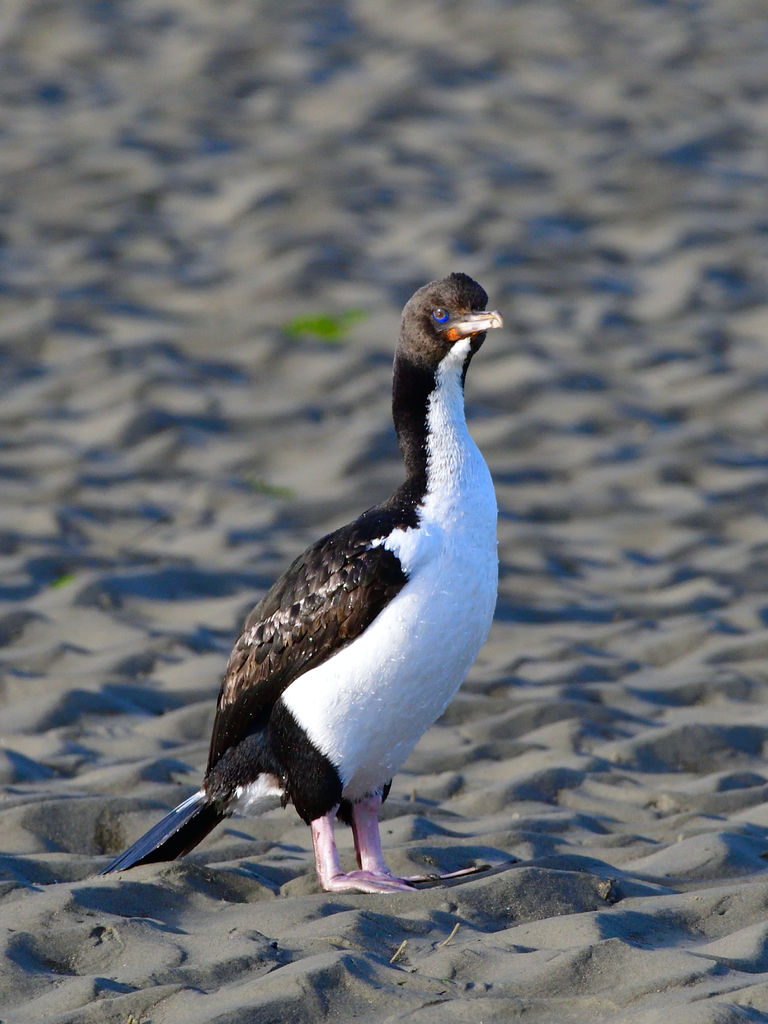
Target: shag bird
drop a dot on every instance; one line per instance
(359, 647)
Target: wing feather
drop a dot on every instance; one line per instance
(328, 596)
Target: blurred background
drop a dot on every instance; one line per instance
(211, 215)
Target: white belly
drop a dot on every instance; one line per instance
(366, 707)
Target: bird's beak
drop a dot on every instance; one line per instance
(468, 324)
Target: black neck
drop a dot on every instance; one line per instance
(411, 387)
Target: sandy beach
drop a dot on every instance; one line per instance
(211, 217)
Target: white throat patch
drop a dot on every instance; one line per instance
(459, 495)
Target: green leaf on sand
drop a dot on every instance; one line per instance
(260, 486)
(330, 327)
(63, 581)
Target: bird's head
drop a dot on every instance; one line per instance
(444, 316)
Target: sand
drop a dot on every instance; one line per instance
(181, 180)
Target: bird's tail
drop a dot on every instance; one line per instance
(179, 832)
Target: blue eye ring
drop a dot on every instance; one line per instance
(440, 315)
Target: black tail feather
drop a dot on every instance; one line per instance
(178, 832)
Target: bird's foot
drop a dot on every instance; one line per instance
(383, 881)
(441, 876)
(365, 881)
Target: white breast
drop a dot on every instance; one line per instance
(366, 707)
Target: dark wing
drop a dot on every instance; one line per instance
(327, 597)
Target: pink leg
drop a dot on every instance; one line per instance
(365, 828)
(329, 872)
(374, 875)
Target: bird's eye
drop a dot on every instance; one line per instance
(440, 315)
